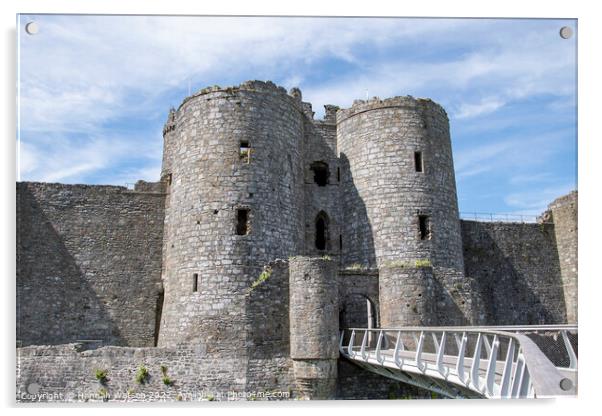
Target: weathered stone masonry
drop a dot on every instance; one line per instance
(564, 215)
(88, 264)
(516, 272)
(266, 233)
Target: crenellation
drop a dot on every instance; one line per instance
(406, 102)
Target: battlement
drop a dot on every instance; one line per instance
(170, 124)
(362, 106)
(252, 86)
(567, 199)
(71, 190)
(64, 187)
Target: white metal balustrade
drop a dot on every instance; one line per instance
(485, 362)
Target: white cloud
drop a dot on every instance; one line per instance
(536, 201)
(481, 157)
(52, 108)
(91, 64)
(105, 59)
(81, 75)
(485, 106)
(56, 159)
(28, 158)
(149, 172)
(543, 177)
(515, 157)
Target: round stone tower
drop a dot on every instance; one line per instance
(406, 296)
(314, 307)
(399, 188)
(235, 194)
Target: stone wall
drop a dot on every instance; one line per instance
(213, 369)
(564, 215)
(88, 264)
(268, 366)
(356, 383)
(515, 271)
(65, 373)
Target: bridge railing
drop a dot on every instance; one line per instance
(503, 217)
(501, 362)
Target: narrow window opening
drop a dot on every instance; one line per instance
(320, 237)
(242, 221)
(322, 231)
(169, 178)
(338, 174)
(418, 161)
(244, 152)
(340, 241)
(424, 226)
(321, 173)
(195, 282)
(158, 314)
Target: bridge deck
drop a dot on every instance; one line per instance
(507, 364)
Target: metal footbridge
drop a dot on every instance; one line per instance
(471, 362)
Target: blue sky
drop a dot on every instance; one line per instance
(94, 91)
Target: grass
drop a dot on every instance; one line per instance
(142, 375)
(101, 375)
(418, 263)
(265, 275)
(421, 263)
(397, 263)
(356, 267)
(166, 380)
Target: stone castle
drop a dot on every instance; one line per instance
(266, 233)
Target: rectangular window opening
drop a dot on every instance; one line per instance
(242, 221)
(169, 179)
(338, 174)
(418, 161)
(244, 152)
(340, 241)
(424, 225)
(195, 282)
